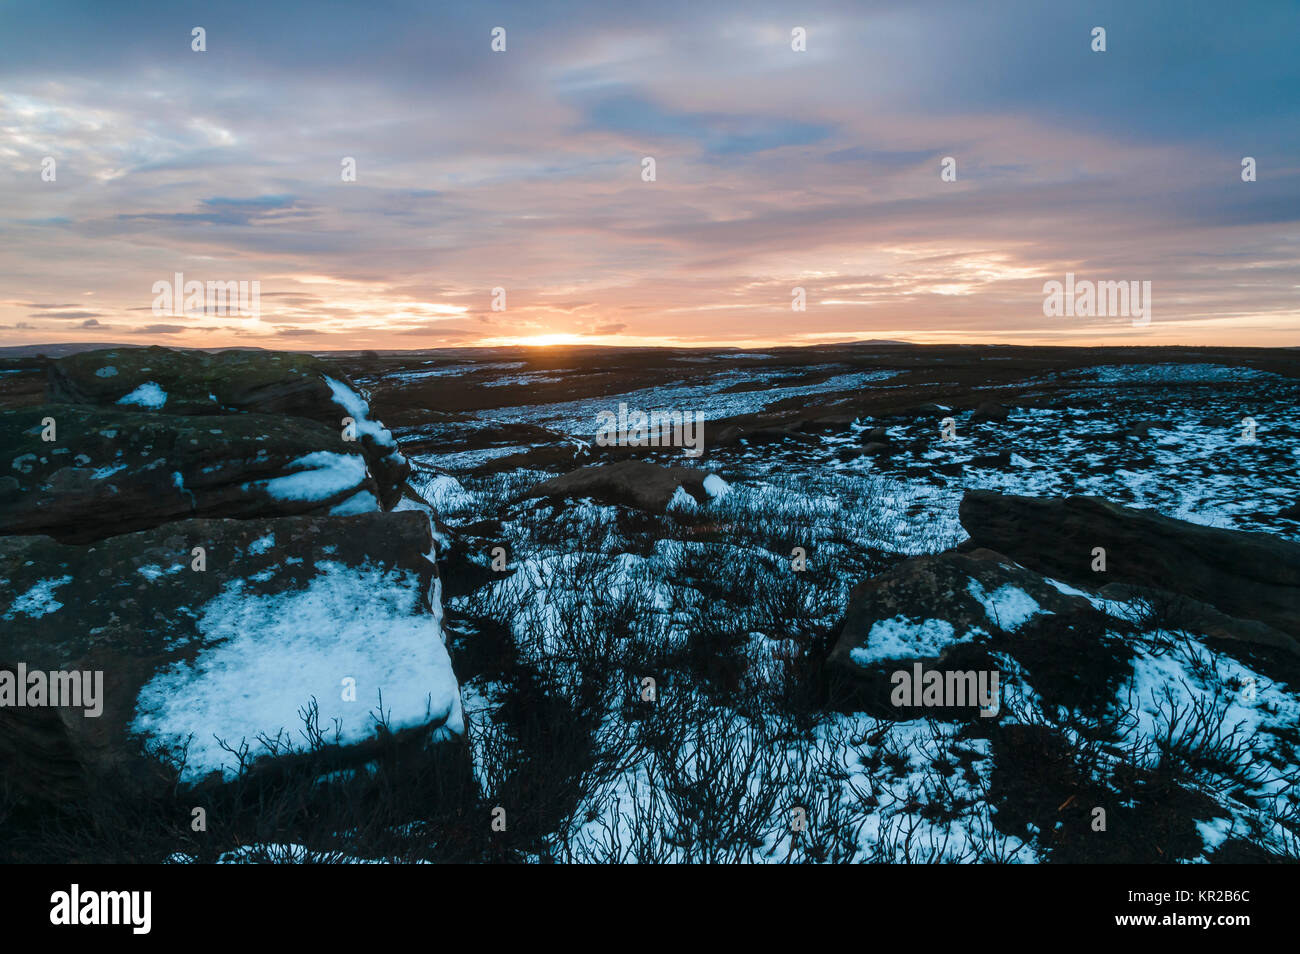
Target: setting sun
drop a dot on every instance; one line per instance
(546, 340)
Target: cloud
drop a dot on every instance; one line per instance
(434, 330)
(775, 168)
(160, 330)
(719, 134)
(259, 210)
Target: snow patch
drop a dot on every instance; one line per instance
(148, 394)
(39, 600)
(152, 571)
(682, 500)
(901, 638)
(266, 656)
(716, 487)
(445, 494)
(320, 476)
(359, 411)
(1158, 373)
(363, 502)
(1008, 606)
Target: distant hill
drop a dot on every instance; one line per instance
(63, 348)
(58, 350)
(876, 341)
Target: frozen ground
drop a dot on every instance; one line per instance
(578, 418)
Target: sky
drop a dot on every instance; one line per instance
(523, 170)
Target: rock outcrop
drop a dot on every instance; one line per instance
(107, 471)
(195, 383)
(989, 411)
(205, 550)
(946, 612)
(207, 630)
(1037, 600)
(1251, 576)
(633, 483)
(976, 593)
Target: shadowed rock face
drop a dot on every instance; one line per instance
(1251, 576)
(283, 611)
(112, 471)
(633, 483)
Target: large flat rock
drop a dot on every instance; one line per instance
(978, 612)
(285, 613)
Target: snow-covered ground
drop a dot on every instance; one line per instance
(580, 418)
(581, 589)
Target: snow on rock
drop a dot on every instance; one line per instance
(1008, 606)
(362, 502)
(716, 487)
(148, 395)
(39, 600)
(389, 468)
(319, 476)
(356, 407)
(441, 541)
(266, 656)
(1119, 609)
(902, 638)
(152, 571)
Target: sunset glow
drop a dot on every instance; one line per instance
(775, 170)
